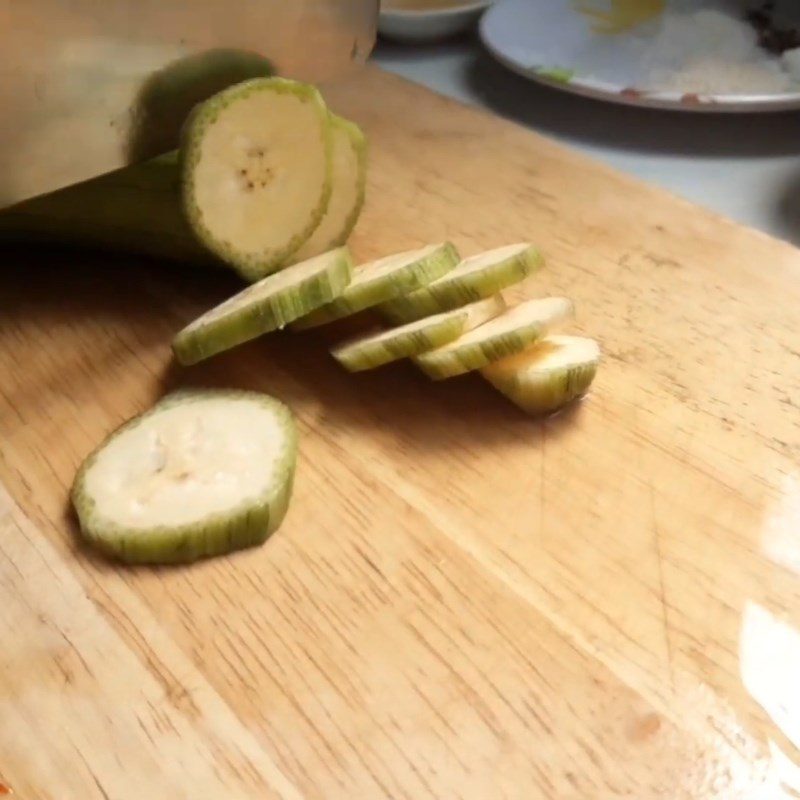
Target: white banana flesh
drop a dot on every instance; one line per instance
(202, 473)
(257, 172)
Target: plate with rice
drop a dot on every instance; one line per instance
(712, 56)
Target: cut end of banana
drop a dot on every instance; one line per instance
(349, 164)
(368, 352)
(386, 278)
(477, 277)
(257, 171)
(265, 306)
(511, 332)
(552, 373)
(201, 474)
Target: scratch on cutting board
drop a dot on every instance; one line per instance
(662, 590)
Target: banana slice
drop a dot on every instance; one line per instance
(347, 196)
(476, 277)
(265, 306)
(510, 333)
(381, 280)
(368, 352)
(556, 370)
(257, 172)
(200, 474)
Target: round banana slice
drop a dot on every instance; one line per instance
(257, 172)
(542, 379)
(381, 280)
(347, 196)
(368, 352)
(200, 474)
(265, 306)
(510, 333)
(476, 277)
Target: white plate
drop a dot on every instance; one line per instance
(429, 26)
(550, 42)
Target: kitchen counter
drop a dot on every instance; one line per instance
(744, 166)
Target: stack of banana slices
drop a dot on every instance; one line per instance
(273, 184)
(207, 472)
(449, 317)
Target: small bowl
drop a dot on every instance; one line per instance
(430, 25)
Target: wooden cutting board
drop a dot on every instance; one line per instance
(463, 602)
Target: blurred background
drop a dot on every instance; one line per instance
(701, 98)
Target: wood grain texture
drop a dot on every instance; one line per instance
(463, 602)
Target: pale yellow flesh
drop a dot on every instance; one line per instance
(262, 161)
(548, 311)
(552, 353)
(481, 261)
(344, 194)
(185, 463)
(266, 287)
